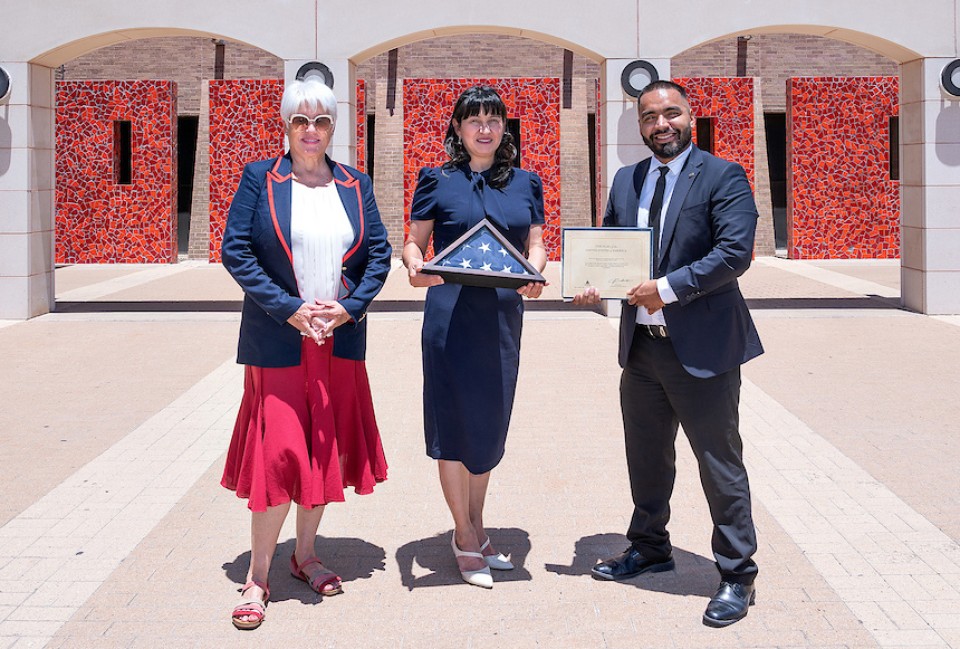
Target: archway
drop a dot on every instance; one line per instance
(922, 44)
(551, 95)
(861, 193)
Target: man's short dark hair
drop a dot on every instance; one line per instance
(663, 84)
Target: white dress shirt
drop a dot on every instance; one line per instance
(643, 221)
(321, 234)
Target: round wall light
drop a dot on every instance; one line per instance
(6, 87)
(315, 69)
(950, 79)
(636, 76)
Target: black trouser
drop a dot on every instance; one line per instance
(657, 394)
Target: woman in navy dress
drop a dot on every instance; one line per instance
(471, 335)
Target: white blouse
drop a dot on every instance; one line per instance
(321, 234)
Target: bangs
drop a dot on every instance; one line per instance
(479, 99)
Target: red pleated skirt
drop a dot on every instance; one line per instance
(305, 433)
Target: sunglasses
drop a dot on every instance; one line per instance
(302, 122)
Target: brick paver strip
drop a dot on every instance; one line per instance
(873, 549)
(58, 551)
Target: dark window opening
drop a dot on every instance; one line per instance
(513, 127)
(705, 133)
(219, 54)
(371, 143)
(187, 126)
(894, 148)
(592, 157)
(775, 127)
(123, 152)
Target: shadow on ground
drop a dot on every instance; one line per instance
(694, 575)
(430, 561)
(350, 558)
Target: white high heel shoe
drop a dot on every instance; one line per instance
(482, 577)
(496, 561)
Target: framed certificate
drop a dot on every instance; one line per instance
(612, 260)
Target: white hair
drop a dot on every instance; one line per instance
(311, 93)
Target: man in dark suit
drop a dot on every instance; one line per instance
(683, 336)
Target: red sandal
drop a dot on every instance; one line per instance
(321, 579)
(251, 607)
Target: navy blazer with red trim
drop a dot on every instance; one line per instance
(256, 250)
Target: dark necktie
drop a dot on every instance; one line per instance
(653, 220)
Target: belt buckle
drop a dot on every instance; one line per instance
(655, 330)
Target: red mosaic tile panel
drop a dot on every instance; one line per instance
(245, 126)
(361, 125)
(729, 101)
(841, 203)
(99, 220)
(427, 105)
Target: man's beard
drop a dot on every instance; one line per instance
(670, 149)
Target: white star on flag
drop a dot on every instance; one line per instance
(485, 247)
(486, 267)
(507, 269)
(466, 263)
(503, 252)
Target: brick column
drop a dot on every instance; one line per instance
(199, 245)
(575, 208)
(388, 167)
(765, 243)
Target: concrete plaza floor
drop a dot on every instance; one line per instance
(114, 531)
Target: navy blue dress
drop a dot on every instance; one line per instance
(471, 335)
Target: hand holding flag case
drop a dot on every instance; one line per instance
(482, 256)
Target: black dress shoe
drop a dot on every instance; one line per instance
(729, 604)
(629, 564)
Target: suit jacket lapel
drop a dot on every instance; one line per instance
(688, 174)
(279, 188)
(633, 197)
(349, 189)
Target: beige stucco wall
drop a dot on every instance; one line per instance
(51, 33)
(41, 35)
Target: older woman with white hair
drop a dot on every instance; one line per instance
(305, 241)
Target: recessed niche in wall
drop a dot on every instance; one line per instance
(123, 152)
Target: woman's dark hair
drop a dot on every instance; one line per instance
(473, 101)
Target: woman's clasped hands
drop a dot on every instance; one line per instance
(317, 321)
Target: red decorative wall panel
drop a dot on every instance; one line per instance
(245, 126)
(729, 101)
(361, 125)
(841, 202)
(98, 219)
(428, 104)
